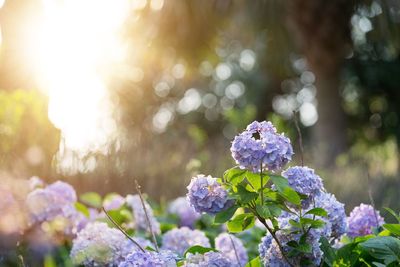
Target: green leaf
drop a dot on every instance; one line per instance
(91, 199)
(49, 261)
(254, 262)
(241, 222)
(318, 212)
(255, 180)
(386, 248)
(234, 175)
(268, 211)
(312, 223)
(225, 215)
(393, 213)
(82, 209)
(393, 228)
(329, 252)
(245, 196)
(198, 249)
(286, 191)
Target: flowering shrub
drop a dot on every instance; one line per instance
(256, 214)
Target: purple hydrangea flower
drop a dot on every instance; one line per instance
(362, 220)
(55, 200)
(205, 194)
(149, 259)
(305, 181)
(180, 239)
(187, 215)
(139, 214)
(232, 248)
(336, 213)
(214, 259)
(98, 245)
(113, 202)
(260, 144)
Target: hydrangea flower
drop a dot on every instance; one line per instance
(336, 213)
(187, 215)
(180, 239)
(98, 245)
(55, 200)
(232, 248)
(149, 259)
(139, 214)
(205, 194)
(113, 202)
(214, 259)
(362, 220)
(305, 181)
(260, 144)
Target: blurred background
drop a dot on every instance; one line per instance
(101, 92)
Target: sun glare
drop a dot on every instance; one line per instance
(77, 43)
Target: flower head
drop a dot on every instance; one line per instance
(205, 194)
(362, 220)
(180, 239)
(214, 259)
(232, 248)
(98, 245)
(113, 202)
(140, 216)
(55, 201)
(260, 145)
(187, 215)
(336, 213)
(305, 181)
(149, 259)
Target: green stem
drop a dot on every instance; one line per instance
(262, 186)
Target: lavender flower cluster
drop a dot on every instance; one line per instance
(149, 259)
(180, 239)
(139, 214)
(214, 259)
(205, 194)
(362, 220)
(186, 213)
(232, 248)
(260, 147)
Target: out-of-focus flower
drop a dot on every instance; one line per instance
(149, 259)
(113, 202)
(260, 146)
(205, 194)
(98, 245)
(336, 213)
(232, 248)
(362, 220)
(305, 181)
(35, 182)
(180, 239)
(186, 213)
(139, 215)
(214, 259)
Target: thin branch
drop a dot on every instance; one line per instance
(147, 216)
(300, 137)
(122, 230)
(371, 199)
(272, 232)
(234, 248)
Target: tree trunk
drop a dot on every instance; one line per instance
(322, 31)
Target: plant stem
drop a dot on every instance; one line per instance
(272, 232)
(122, 230)
(147, 216)
(262, 185)
(234, 248)
(300, 137)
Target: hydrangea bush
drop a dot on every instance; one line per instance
(258, 213)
